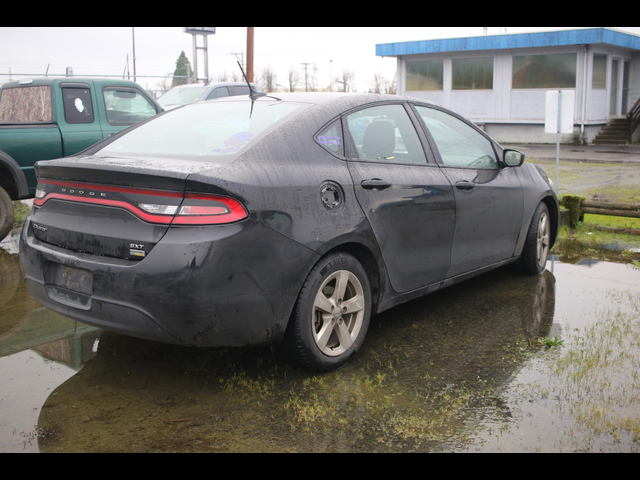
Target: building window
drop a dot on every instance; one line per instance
(473, 74)
(600, 71)
(425, 76)
(545, 71)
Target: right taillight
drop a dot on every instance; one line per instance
(209, 210)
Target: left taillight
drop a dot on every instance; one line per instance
(209, 210)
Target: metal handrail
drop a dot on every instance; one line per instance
(634, 120)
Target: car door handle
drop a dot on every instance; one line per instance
(375, 184)
(466, 186)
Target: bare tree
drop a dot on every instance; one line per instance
(294, 79)
(391, 87)
(268, 79)
(313, 79)
(346, 81)
(378, 83)
(164, 85)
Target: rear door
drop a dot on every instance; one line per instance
(406, 197)
(489, 197)
(77, 117)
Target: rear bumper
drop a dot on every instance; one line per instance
(231, 285)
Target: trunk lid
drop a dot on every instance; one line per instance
(111, 207)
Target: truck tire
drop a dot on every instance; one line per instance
(6, 214)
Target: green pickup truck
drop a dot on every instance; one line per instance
(45, 119)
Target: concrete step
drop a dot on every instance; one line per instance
(598, 141)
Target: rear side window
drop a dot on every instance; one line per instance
(78, 107)
(239, 91)
(219, 92)
(386, 134)
(331, 139)
(25, 105)
(126, 106)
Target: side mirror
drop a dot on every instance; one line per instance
(513, 158)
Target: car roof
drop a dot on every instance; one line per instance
(211, 85)
(320, 98)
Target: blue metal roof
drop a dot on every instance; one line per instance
(560, 38)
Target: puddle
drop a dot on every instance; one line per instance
(461, 370)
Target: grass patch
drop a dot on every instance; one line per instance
(586, 242)
(613, 222)
(22, 211)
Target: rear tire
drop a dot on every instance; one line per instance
(6, 214)
(332, 315)
(538, 244)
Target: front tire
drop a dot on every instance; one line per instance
(332, 315)
(6, 214)
(538, 244)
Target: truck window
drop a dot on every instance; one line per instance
(126, 106)
(25, 105)
(78, 107)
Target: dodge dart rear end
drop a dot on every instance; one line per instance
(142, 234)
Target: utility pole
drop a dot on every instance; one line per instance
(135, 72)
(306, 75)
(250, 43)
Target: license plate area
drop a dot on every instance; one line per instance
(69, 286)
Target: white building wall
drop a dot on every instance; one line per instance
(635, 80)
(507, 108)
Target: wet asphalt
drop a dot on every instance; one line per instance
(502, 363)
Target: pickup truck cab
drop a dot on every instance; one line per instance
(45, 119)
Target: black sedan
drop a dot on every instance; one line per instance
(284, 220)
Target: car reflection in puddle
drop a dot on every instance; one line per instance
(443, 373)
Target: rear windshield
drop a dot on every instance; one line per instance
(182, 96)
(25, 105)
(203, 130)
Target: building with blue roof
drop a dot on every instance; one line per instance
(500, 81)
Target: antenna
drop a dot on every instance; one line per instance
(254, 94)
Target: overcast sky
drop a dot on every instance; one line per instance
(104, 50)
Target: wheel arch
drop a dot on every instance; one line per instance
(12, 179)
(554, 211)
(372, 265)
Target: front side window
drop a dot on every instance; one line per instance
(386, 134)
(78, 107)
(126, 106)
(204, 131)
(545, 71)
(473, 73)
(425, 76)
(25, 105)
(459, 144)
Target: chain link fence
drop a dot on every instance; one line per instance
(156, 85)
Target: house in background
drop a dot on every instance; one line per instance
(500, 82)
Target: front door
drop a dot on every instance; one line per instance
(489, 198)
(407, 199)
